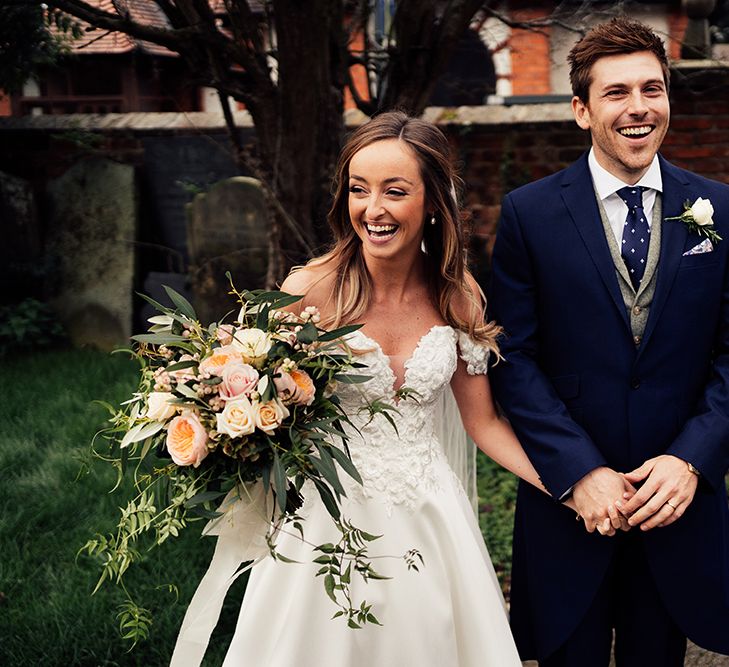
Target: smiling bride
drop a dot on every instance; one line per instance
(398, 268)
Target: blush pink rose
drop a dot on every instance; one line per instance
(239, 379)
(224, 334)
(187, 440)
(285, 386)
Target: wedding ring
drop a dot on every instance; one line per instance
(668, 502)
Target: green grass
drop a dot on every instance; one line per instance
(49, 507)
(48, 511)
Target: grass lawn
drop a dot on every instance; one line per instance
(49, 507)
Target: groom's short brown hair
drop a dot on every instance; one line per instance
(616, 37)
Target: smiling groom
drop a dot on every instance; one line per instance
(617, 368)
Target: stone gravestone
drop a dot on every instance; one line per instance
(20, 251)
(92, 228)
(227, 231)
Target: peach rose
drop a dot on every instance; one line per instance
(238, 379)
(158, 406)
(213, 365)
(237, 418)
(270, 415)
(305, 388)
(187, 440)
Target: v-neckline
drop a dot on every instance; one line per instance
(408, 359)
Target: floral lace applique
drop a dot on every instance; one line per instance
(398, 470)
(474, 354)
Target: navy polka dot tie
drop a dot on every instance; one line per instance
(636, 233)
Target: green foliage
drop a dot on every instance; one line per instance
(497, 499)
(27, 42)
(28, 325)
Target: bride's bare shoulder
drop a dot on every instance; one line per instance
(315, 283)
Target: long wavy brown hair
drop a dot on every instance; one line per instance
(444, 242)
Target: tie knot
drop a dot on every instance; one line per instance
(632, 196)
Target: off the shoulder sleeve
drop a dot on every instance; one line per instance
(475, 354)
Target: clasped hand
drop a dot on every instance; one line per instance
(608, 501)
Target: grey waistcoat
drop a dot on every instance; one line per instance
(638, 304)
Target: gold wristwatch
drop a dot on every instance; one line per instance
(693, 469)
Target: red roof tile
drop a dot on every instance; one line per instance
(98, 41)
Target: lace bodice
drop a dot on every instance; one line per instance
(396, 467)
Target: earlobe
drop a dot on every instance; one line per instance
(581, 113)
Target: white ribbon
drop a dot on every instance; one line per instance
(241, 535)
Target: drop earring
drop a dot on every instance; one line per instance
(432, 219)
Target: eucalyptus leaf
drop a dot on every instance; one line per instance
(159, 339)
(339, 333)
(156, 304)
(186, 391)
(180, 365)
(204, 497)
(262, 318)
(279, 481)
(327, 498)
(287, 300)
(181, 303)
(346, 464)
(307, 334)
(351, 378)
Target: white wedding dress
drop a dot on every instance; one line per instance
(449, 614)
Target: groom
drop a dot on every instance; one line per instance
(617, 361)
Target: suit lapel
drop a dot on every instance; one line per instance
(674, 233)
(578, 195)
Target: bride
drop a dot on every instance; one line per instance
(398, 267)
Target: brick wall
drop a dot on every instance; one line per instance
(530, 55)
(677, 22)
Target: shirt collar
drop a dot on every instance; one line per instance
(606, 184)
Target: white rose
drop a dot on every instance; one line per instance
(158, 407)
(270, 415)
(237, 418)
(253, 344)
(701, 211)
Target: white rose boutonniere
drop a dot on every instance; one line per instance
(698, 218)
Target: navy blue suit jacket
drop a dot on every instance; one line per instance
(580, 394)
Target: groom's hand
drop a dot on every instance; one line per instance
(595, 495)
(667, 491)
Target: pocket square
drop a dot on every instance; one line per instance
(701, 248)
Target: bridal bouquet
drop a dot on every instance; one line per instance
(220, 409)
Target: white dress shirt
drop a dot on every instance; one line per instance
(607, 186)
